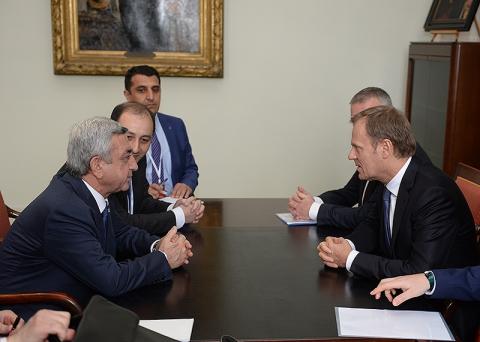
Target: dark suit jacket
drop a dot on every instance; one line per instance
(432, 228)
(148, 213)
(184, 168)
(337, 209)
(59, 243)
(462, 284)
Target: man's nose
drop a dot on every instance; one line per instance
(149, 94)
(351, 154)
(135, 146)
(132, 164)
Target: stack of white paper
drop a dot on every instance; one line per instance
(178, 329)
(421, 325)
(290, 221)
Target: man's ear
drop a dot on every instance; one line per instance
(96, 166)
(127, 94)
(386, 148)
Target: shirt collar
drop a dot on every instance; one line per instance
(394, 185)
(101, 202)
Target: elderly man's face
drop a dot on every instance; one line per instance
(145, 90)
(140, 130)
(366, 157)
(116, 174)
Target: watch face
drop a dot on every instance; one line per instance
(431, 279)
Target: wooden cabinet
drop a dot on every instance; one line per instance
(443, 101)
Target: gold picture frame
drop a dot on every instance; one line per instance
(70, 59)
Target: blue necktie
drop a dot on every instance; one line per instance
(106, 218)
(386, 216)
(157, 159)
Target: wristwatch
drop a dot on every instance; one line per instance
(156, 246)
(431, 280)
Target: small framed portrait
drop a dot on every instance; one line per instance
(455, 15)
(107, 37)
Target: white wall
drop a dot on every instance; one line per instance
(278, 118)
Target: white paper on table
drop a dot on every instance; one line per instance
(178, 329)
(422, 325)
(168, 199)
(290, 221)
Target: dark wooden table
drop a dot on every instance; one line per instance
(252, 277)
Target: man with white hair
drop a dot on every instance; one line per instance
(67, 239)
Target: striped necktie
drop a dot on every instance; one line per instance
(157, 177)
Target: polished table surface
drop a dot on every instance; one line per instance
(252, 277)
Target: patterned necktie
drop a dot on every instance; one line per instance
(106, 218)
(157, 160)
(386, 216)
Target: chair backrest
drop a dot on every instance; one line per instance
(468, 180)
(4, 220)
(68, 303)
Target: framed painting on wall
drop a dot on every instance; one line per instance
(107, 37)
(455, 15)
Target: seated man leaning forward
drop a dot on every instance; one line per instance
(135, 206)
(421, 219)
(66, 240)
(337, 208)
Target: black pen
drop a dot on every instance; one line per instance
(15, 323)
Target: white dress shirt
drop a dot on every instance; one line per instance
(393, 186)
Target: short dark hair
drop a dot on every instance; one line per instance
(372, 92)
(134, 107)
(145, 70)
(386, 122)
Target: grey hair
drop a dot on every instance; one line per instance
(89, 138)
(372, 92)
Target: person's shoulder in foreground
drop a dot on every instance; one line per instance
(67, 239)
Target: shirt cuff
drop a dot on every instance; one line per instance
(317, 200)
(351, 256)
(3, 339)
(151, 251)
(429, 293)
(179, 217)
(313, 212)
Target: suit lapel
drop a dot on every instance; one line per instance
(403, 198)
(169, 131)
(370, 188)
(81, 190)
(139, 184)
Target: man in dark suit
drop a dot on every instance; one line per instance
(170, 163)
(421, 219)
(135, 205)
(67, 239)
(334, 207)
